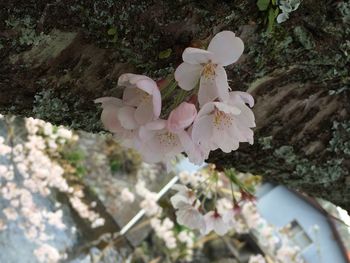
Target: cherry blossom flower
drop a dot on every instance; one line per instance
(149, 204)
(229, 217)
(189, 215)
(215, 222)
(142, 93)
(186, 237)
(225, 125)
(141, 104)
(127, 196)
(184, 195)
(162, 140)
(47, 253)
(164, 231)
(207, 66)
(10, 213)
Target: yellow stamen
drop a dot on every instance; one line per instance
(208, 70)
(222, 119)
(168, 138)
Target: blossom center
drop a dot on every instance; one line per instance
(168, 139)
(221, 119)
(208, 70)
(145, 97)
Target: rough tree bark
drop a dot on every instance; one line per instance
(57, 56)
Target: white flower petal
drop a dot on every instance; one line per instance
(190, 217)
(107, 101)
(229, 109)
(187, 75)
(224, 141)
(214, 221)
(226, 47)
(156, 125)
(132, 96)
(181, 117)
(196, 56)
(207, 108)
(207, 91)
(109, 118)
(177, 200)
(194, 154)
(148, 85)
(221, 83)
(126, 117)
(130, 80)
(202, 129)
(144, 112)
(244, 96)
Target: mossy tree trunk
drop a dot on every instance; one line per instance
(57, 57)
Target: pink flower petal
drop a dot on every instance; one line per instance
(196, 56)
(226, 47)
(181, 117)
(187, 75)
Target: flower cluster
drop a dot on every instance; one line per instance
(205, 203)
(178, 244)
(274, 243)
(220, 119)
(240, 214)
(287, 7)
(164, 230)
(189, 213)
(208, 184)
(29, 177)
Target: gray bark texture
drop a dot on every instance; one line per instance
(56, 57)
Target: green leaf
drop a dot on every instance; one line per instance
(263, 4)
(273, 13)
(112, 31)
(165, 53)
